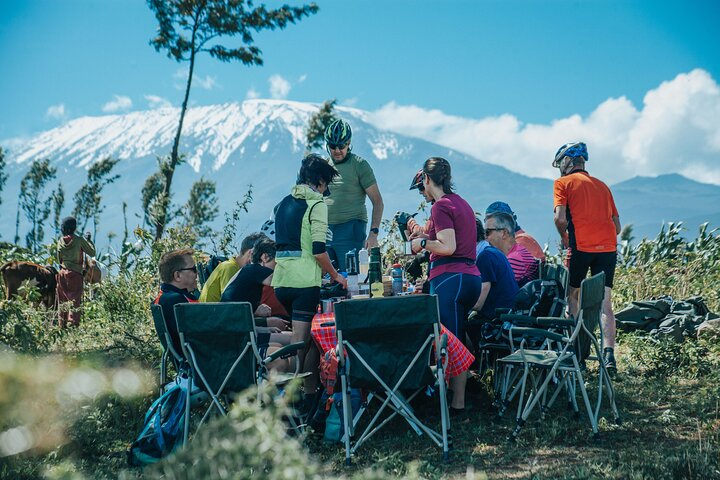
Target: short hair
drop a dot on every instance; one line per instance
(172, 262)
(314, 169)
(480, 230)
(438, 169)
(504, 221)
(263, 246)
(250, 241)
(68, 225)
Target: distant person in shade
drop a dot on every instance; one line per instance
(71, 251)
(588, 223)
(521, 236)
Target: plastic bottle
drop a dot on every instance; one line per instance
(363, 264)
(353, 286)
(397, 279)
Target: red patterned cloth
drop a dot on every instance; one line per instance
(459, 357)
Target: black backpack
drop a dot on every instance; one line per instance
(206, 269)
(539, 298)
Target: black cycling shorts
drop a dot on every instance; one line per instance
(580, 262)
(300, 303)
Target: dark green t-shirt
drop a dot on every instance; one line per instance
(347, 192)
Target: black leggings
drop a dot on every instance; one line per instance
(300, 303)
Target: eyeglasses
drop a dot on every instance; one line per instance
(339, 146)
(494, 230)
(193, 268)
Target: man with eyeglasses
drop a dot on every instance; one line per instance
(500, 233)
(178, 276)
(347, 215)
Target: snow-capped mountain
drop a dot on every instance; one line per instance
(261, 142)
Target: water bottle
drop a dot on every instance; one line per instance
(363, 264)
(397, 279)
(353, 286)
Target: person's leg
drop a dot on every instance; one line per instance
(63, 298)
(448, 288)
(304, 308)
(347, 236)
(76, 293)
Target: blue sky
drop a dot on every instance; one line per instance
(450, 63)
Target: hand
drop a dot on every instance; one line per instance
(416, 244)
(419, 283)
(88, 237)
(417, 234)
(372, 241)
(278, 322)
(341, 280)
(263, 311)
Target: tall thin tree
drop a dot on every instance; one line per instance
(315, 134)
(58, 202)
(33, 204)
(3, 175)
(88, 199)
(189, 27)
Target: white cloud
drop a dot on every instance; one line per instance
(155, 102)
(56, 112)
(117, 104)
(677, 130)
(206, 83)
(252, 94)
(302, 78)
(279, 87)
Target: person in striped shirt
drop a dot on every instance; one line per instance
(500, 232)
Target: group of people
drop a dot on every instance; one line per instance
(475, 263)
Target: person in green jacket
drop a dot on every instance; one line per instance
(71, 250)
(301, 226)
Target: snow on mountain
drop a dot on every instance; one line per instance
(258, 142)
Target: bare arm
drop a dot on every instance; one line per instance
(373, 192)
(444, 245)
(616, 221)
(483, 296)
(561, 223)
(323, 260)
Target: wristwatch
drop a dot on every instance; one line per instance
(375, 230)
(423, 242)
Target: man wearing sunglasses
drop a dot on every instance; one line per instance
(178, 277)
(347, 215)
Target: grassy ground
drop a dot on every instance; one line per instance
(670, 429)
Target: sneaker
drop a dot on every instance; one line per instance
(609, 359)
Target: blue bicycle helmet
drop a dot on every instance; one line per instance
(338, 133)
(572, 150)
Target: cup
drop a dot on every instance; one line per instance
(327, 305)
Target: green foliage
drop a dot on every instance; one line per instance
(226, 241)
(3, 175)
(318, 123)
(189, 27)
(88, 200)
(58, 202)
(201, 207)
(33, 203)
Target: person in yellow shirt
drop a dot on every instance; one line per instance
(220, 277)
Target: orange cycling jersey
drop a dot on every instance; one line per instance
(590, 210)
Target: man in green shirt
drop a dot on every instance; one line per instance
(347, 216)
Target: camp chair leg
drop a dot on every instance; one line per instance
(347, 412)
(586, 399)
(186, 427)
(444, 413)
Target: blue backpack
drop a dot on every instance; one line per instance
(162, 430)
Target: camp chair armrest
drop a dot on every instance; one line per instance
(443, 342)
(555, 322)
(501, 311)
(517, 319)
(538, 332)
(286, 351)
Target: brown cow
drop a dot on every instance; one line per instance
(42, 277)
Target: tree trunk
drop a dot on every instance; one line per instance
(160, 226)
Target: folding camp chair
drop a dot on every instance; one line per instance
(218, 341)
(169, 352)
(384, 346)
(558, 363)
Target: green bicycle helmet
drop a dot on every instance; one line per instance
(338, 133)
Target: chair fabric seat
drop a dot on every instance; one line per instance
(541, 358)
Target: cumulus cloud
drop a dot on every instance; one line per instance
(676, 130)
(155, 101)
(252, 94)
(55, 112)
(206, 83)
(279, 87)
(117, 104)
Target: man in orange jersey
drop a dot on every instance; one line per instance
(588, 223)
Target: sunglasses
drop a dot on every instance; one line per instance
(193, 268)
(494, 230)
(339, 146)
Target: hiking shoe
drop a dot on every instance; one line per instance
(610, 363)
